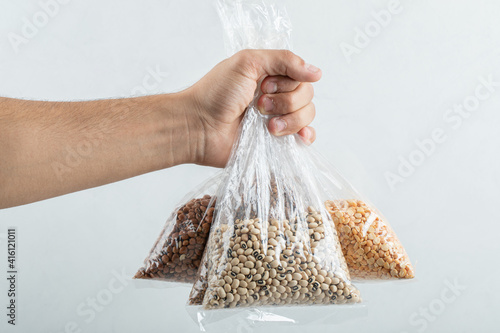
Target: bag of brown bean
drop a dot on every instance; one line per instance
(177, 252)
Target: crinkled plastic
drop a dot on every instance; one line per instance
(272, 240)
(369, 244)
(177, 252)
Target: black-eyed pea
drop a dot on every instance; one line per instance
(227, 288)
(275, 263)
(240, 277)
(320, 278)
(245, 271)
(221, 293)
(253, 271)
(242, 291)
(249, 264)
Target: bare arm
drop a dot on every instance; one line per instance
(53, 148)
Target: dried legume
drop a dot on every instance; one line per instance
(177, 255)
(370, 246)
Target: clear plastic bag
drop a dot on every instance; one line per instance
(369, 244)
(177, 252)
(272, 241)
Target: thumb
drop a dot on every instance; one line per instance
(277, 62)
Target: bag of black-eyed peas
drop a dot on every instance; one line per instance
(272, 242)
(177, 252)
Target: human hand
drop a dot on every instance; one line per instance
(220, 98)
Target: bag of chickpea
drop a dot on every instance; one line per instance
(177, 252)
(272, 242)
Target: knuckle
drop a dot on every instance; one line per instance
(288, 55)
(289, 102)
(243, 56)
(246, 61)
(310, 89)
(312, 111)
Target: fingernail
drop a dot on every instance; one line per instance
(306, 135)
(280, 125)
(270, 88)
(268, 104)
(312, 68)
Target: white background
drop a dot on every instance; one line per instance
(371, 111)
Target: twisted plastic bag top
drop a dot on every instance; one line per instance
(272, 241)
(254, 25)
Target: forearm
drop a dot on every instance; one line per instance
(53, 148)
